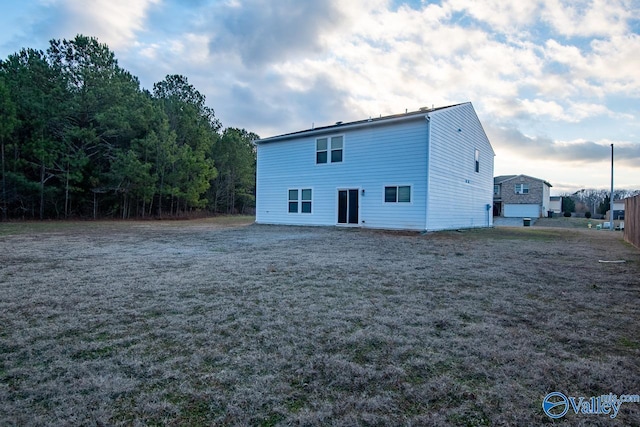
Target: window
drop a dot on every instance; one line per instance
(329, 149)
(477, 160)
(300, 201)
(293, 201)
(336, 149)
(306, 200)
(522, 188)
(321, 150)
(397, 194)
(496, 190)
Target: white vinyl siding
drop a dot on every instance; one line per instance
(397, 153)
(458, 195)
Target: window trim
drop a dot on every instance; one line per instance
(290, 200)
(325, 151)
(329, 150)
(304, 201)
(397, 201)
(522, 187)
(300, 201)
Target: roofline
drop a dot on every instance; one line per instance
(528, 176)
(413, 115)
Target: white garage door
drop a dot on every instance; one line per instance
(521, 211)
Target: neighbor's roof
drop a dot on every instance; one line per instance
(503, 178)
(424, 112)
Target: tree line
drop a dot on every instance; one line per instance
(80, 138)
(592, 200)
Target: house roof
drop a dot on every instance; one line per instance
(371, 121)
(503, 178)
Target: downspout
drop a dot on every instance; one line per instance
(428, 160)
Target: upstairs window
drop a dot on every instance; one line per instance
(477, 160)
(321, 150)
(336, 149)
(496, 190)
(397, 194)
(522, 188)
(329, 149)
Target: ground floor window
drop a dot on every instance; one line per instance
(397, 194)
(300, 200)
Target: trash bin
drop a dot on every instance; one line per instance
(526, 222)
(550, 214)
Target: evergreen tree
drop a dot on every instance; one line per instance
(233, 190)
(78, 137)
(8, 122)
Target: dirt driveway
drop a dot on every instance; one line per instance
(209, 323)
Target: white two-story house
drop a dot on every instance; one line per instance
(426, 170)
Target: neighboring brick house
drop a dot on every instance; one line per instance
(520, 196)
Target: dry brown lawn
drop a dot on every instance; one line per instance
(221, 322)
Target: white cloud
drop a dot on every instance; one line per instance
(616, 62)
(541, 109)
(504, 16)
(192, 49)
(610, 67)
(114, 22)
(512, 143)
(588, 18)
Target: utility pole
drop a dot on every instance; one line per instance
(611, 197)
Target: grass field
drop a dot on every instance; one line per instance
(221, 322)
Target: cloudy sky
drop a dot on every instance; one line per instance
(554, 82)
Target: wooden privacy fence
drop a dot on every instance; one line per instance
(632, 220)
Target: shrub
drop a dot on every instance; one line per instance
(587, 214)
(567, 214)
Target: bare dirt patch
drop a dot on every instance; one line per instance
(197, 323)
